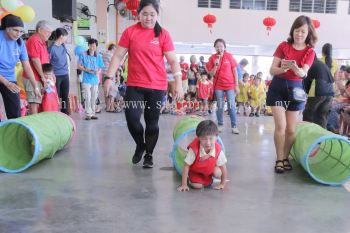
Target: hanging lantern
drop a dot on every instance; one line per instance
(269, 22)
(132, 5)
(134, 13)
(209, 19)
(316, 23)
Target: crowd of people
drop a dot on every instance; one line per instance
(36, 77)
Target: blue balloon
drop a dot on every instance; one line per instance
(80, 40)
(78, 50)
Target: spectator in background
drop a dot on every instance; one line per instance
(318, 105)
(38, 55)
(193, 75)
(106, 81)
(10, 33)
(201, 65)
(59, 59)
(90, 62)
(240, 69)
(222, 66)
(184, 70)
(327, 58)
(339, 79)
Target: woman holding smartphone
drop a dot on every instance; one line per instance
(292, 60)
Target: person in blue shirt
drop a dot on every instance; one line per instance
(13, 50)
(240, 69)
(91, 63)
(59, 59)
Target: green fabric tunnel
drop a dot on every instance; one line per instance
(28, 140)
(184, 130)
(324, 155)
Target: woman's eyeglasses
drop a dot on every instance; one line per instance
(18, 31)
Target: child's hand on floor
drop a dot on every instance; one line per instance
(219, 187)
(183, 188)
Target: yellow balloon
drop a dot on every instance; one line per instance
(26, 13)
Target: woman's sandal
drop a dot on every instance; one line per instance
(287, 165)
(279, 167)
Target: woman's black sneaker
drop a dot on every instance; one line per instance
(138, 154)
(148, 161)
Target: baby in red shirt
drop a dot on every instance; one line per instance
(204, 159)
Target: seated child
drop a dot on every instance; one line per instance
(50, 102)
(194, 103)
(184, 106)
(180, 107)
(204, 159)
(203, 94)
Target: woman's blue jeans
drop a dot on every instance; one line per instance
(231, 104)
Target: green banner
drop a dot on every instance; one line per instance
(83, 24)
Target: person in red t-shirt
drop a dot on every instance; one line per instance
(223, 67)
(147, 44)
(184, 70)
(203, 94)
(292, 60)
(39, 55)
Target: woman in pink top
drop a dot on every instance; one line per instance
(292, 60)
(147, 44)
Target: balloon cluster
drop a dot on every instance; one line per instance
(81, 45)
(16, 7)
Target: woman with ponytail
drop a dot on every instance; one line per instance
(327, 58)
(59, 59)
(147, 43)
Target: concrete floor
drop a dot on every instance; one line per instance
(91, 186)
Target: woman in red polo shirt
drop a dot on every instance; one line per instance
(146, 43)
(223, 66)
(292, 60)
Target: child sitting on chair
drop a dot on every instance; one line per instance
(204, 159)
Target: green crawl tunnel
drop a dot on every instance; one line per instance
(26, 141)
(324, 155)
(183, 134)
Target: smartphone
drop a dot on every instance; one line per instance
(288, 62)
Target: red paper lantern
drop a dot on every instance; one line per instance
(316, 23)
(269, 22)
(209, 19)
(132, 5)
(134, 13)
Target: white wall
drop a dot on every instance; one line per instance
(244, 27)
